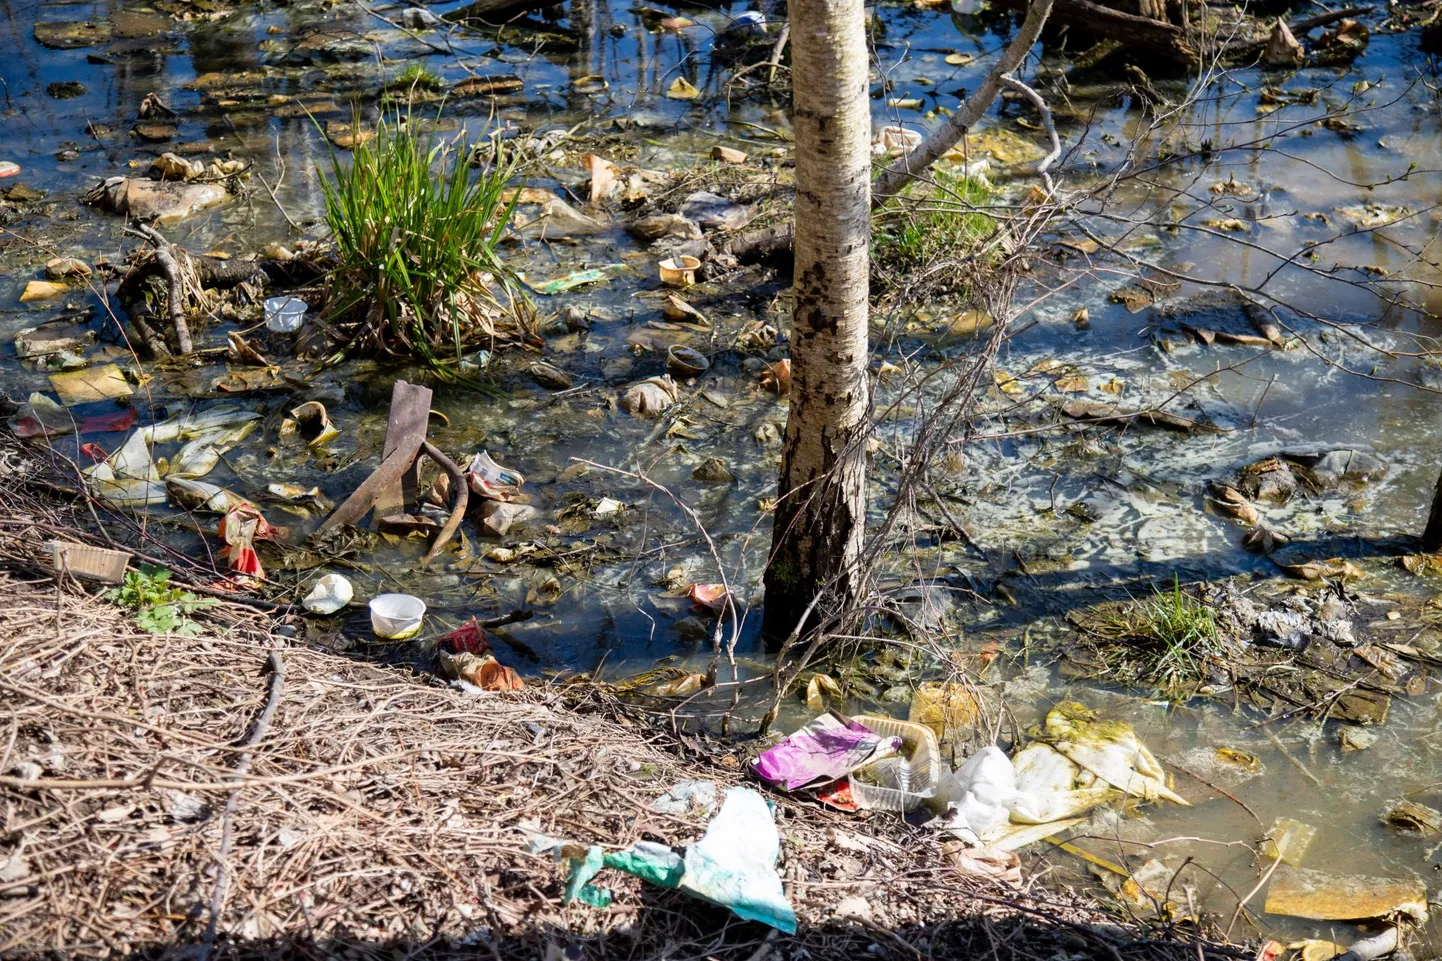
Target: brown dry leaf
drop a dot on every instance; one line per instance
(1420, 564)
(1072, 384)
(1042, 367)
(1228, 224)
(818, 689)
(1386, 662)
(1114, 386)
(1084, 246)
(1262, 540)
(1234, 503)
(240, 351)
(527, 195)
(708, 597)
(777, 377)
(1335, 568)
(991, 863)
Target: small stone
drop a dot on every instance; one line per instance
(713, 470)
(497, 518)
(62, 267)
(1355, 738)
(618, 29)
(155, 132)
(728, 155)
(41, 290)
(23, 193)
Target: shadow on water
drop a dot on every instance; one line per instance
(1050, 594)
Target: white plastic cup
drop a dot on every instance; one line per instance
(396, 617)
(284, 315)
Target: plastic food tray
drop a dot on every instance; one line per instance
(95, 563)
(899, 782)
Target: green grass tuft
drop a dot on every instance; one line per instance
(933, 222)
(415, 230)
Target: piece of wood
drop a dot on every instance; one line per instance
(1166, 42)
(460, 496)
(405, 428)
(358, 504)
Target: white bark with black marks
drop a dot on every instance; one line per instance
(821, 512)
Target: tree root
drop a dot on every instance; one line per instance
(187, 277)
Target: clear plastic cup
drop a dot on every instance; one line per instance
(902, 781)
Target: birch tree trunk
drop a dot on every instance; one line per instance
(821, 508)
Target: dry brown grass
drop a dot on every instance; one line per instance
(382, 814)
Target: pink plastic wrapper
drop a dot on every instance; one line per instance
(824, 750)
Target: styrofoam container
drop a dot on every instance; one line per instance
(95, 563)
(902, 781)
(396, 617)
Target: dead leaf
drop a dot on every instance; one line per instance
(1007, 384)
(681, 687)
(1072, 384)
(818, 689)
(605, 178)
(682, 89)
(1335, 568)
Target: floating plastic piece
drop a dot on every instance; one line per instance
(284, 315)
(93, 563)
(1288, 840)
(329, 594)
(9, 168)
(679, 271)
(199, 495)
(650, 397)
(733, 865)
(313, 424)
(825, 749)
(396, 617)
(1108, 749)
(190, 425)
(1302, 893)
(682, 89)
(685, 796)
(686, 361)
(492, 481)
(239, 528)
(41, 417)
(91, 384)
(578, 278)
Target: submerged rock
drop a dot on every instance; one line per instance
(164, 202)
(66, 34)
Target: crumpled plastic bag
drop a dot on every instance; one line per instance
(823, 750)
(1108, 749)
(733, 865)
